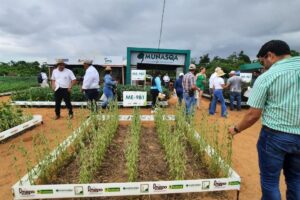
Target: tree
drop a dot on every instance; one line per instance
(204, 60)
(244, 57)
(295, 53)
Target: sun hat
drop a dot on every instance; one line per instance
(107, 68)
(89, 62)
(181, 74)
(220, 73)
(60, 61)
(217, 69)
(192, 67)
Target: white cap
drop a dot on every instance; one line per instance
(181, 74)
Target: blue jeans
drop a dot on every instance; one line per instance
(218, 95)
(276, 151)
(109, 95)
(189, 103)
(180, 96)
(232, 96)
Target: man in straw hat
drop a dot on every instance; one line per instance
(189, 87)
(234, 83)
(275, 98)
(62, 81)
(211, 79)
(109, 85)
(90, 85)
(218, 85)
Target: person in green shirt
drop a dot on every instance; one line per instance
(276, 98)
(200, 84)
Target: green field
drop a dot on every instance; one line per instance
(15, 83)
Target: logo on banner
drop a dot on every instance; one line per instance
(64, 190)
(219, 184)
(113, 189)
(26, 192)
(78, 190)
(205, 185)
(193, 185)
(47, 191)
(234, 183)
(93, 189)
(144, 188)
(107, 60)
(175, 187)
(131, 188)
(159, 188)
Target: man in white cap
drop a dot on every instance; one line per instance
(178, 88)
(90, 85)
(62, 81)
(189, 87)
(234, 83)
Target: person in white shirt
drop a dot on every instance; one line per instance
(62, 81)
(166, 80)
(218, 85)
(90, 85)
(211, 79)
(44, 83)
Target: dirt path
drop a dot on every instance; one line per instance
(113, 167)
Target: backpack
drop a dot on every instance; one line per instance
(40, 78)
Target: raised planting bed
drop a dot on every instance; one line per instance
(106, 158)
(36, 119)
(75, 103)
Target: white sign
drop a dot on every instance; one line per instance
(157, 58)
(137, 75)
(246, 77)
(109, 60)
(134, 98)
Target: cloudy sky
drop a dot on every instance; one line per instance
(44, 29)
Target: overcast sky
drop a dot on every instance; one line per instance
(40, 29)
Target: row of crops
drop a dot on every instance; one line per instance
(90, 144)
(16, 83)
(46, 94)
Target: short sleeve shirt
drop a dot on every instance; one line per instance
(63, 78)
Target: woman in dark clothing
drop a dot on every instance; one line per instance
(179, 88)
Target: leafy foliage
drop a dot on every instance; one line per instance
(20, 68)
(14, 83)
(11, 116)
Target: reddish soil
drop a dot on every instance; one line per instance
(245, 161)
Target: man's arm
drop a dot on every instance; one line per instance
(248, 120)
(53, 84)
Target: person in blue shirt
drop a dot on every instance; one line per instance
(109, 84)
(179, 88)
(155, 88)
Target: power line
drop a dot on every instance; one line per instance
(161, 23)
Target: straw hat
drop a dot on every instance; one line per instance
(107, 68)
(217, 69)
(220, 73)
(89, 62)
(60, 61)
(192, 67)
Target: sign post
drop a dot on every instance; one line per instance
(134, 98)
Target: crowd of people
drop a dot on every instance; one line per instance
(63, 79)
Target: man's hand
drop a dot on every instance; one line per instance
(69, 89)
(231, 131)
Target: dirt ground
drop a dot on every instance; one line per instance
(245, 161)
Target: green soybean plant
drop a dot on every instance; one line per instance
(132, 149)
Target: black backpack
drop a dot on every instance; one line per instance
(40, 78)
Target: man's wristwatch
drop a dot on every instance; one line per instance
(236, 130)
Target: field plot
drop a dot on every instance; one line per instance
(115, 160)
(15, 83)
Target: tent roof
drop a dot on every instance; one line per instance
(251, 66)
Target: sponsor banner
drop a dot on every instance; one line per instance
(134, 98)
(146, 117)
(158, 187)
(138, 75)
(12, 131)
(94, 190)
(219, 184)
(157, 58)
(246, 77)
(26, 192)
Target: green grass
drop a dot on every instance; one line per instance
(16, 83)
